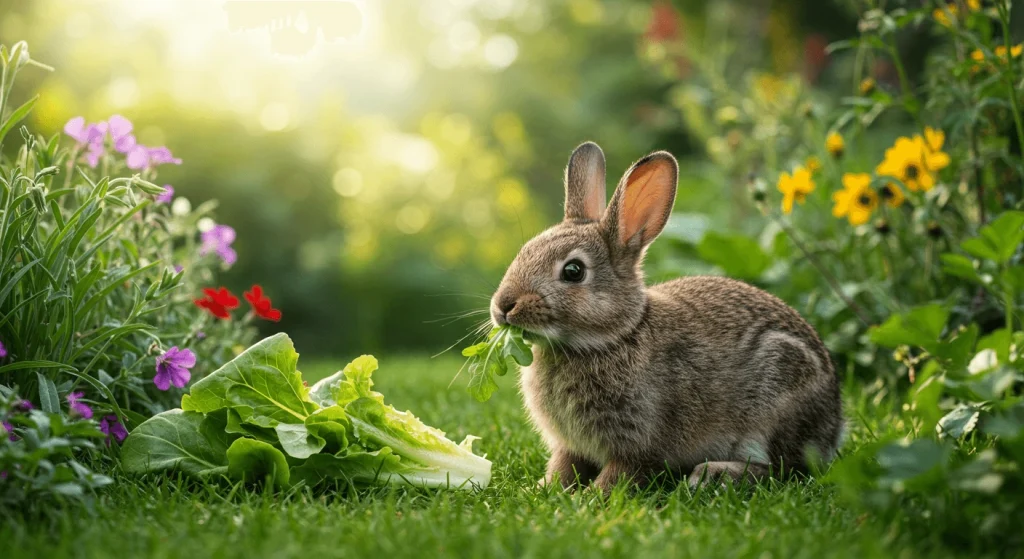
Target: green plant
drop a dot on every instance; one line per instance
(39, 453)
(891, 218)
(99, 266)
(492, 357)
(253, 419)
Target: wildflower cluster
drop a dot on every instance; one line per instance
(101, 270)
(896, 226)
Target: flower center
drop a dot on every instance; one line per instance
(864, 200)
(887, 192)
(912, 171)
(799, 196)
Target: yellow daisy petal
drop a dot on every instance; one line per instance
(937, 161)
(934, 138)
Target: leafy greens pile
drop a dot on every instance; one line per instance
(254, 419)
(491, 358)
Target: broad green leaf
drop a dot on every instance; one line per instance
(262, 384)
(255, 461)
(957, 423)
(960, 266)
(922, 327)
(359, 467)
(48, 398)
(518, 349)
(378, 426)
(956, 352)
(481, 382)
(348, 384)
(998, 240)
(998, 341)
(236, 425)
(906, 461)
(172, 439)
(332, 425)
(297, 441)
(738, 256)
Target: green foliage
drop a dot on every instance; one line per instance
(39, 456)
(255, 416)
(891, 215)
(491, 358)
(89, 295)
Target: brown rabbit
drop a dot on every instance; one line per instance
(702, 375)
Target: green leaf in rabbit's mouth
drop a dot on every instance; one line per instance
(491, 357)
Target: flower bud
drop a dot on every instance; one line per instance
(934, 230)
(47, 171)
(867, 86)
(19, 54)
(38, 196)
(882, 226)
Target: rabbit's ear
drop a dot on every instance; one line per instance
(643, 201)
(585, 188)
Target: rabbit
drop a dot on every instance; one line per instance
(705, 376)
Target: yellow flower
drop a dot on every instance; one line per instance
(915, 160)
(893, 195)
(942, 15)
(834, 144)
(795, 188)
(867, 86)
(856, 201)
(1000, 55)
(934, 139)
(813, 164)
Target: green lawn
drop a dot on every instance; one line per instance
(162, 517)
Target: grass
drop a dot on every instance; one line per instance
(170, 517)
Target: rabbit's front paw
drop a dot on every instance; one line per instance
(710, 473)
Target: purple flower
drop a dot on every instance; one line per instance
(112, 427)
(161, 156)
(142, 157)
(91, 135)
(172, 368)
(23, 405)
(167, 195)
(178, 268)
(10, 429)
(219, 239)
(78, 408)
(121, 133)
(3, 351)
(200, 335)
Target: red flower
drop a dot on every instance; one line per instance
(219, 302)
(261, 305)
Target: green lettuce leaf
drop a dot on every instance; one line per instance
(333, 426)
(262, 385)
(174, 440)
(491, 358)
(348, 384)
(254, 461)
(297, 441)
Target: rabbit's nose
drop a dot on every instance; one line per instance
(502, 306)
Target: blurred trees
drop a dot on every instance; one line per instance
(383, 183)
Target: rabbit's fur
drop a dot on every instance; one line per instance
(703, 375)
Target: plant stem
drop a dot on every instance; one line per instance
(1004, 20)
(832, 282)
(908, 95)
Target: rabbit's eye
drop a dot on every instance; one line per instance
(573, 271)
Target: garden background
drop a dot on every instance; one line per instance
(374, 166)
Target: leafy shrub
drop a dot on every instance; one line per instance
(891, 219)
(38, 453)
(101, 272)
